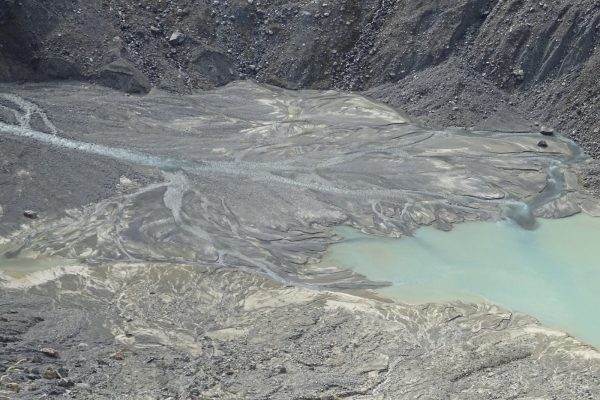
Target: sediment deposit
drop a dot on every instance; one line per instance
(194, 274)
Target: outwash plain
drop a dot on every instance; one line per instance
(187, 162)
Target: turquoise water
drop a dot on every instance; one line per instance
(551, 272)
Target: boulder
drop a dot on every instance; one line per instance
(280, 369)
(122, 75)
(177, 38)
(32, 215)
(58, 68)
(50, 374)
(66, 383)
(50, 352)
(542, 143)
(214, 64)
(13, 387)
(118, 356)
(547, 131)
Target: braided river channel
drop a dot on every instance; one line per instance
(323, 190)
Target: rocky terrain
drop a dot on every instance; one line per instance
(190, 252)
(174, 332)
(451, 63)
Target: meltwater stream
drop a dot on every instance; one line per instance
(551, 272)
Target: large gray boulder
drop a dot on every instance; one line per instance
(213, 63)
(122, 75)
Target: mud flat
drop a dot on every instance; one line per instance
(194, 272)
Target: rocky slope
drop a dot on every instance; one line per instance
(457, 63)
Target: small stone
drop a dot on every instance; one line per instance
(30, 214)
(118, 356)
(50, 352)
(195, 392)
(542, 143)
(547, 131)
(392, 74)
(50, 374)
(177, 38)
(155, 30)
(36, 359)
(63, 372)
(270, 33)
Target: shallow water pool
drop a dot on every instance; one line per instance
(551, 272)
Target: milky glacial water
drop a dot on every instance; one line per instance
(27, 262)
(551, 272)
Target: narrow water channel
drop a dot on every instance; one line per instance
(551, 272)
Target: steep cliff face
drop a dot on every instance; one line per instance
(464, 63)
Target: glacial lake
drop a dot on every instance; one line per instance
(551, 272)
